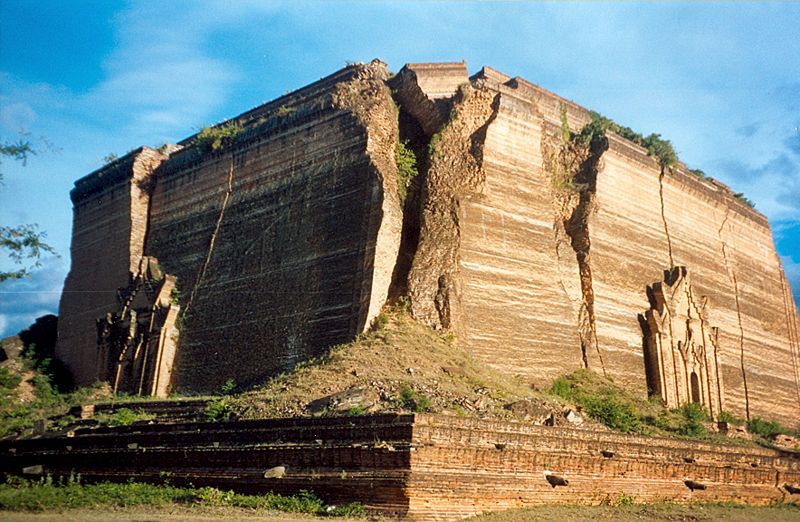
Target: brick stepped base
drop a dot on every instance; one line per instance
(424, 467)
(463, 466)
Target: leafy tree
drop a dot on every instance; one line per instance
(25, 243)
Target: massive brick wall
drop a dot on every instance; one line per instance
(287, 240)
(539, 279)
(284, 243)
(109, 225)
(645, 223)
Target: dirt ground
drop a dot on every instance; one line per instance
(653, 513)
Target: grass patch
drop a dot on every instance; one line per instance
(47, 494)
(123, 417)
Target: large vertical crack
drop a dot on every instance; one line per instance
(202, 273)
(663, 214)
(573, 167)
(455, 174)
(735, 284)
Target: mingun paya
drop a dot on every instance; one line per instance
(267, 239)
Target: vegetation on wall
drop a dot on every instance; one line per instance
(217, 137)
(657, 147)
(407, 169)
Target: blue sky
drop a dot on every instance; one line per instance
(85, 78)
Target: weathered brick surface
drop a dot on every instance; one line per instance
(462, 467)
(287, 242)
(109, 226)
(533, 298)
(425, 467)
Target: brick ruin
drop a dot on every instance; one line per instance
(194, 264)
(421, 467)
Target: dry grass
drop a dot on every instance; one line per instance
(398, 366)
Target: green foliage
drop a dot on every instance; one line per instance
(111, 156)
(355, 411)
(655, 145)
(566, 134)
(765, 428)
(19, 151)
(625, 500)
(693, 418)
(380, 321)
(218, 410)
(433, 143)
(8, 387)
(218, 137)
(26, 246)
(284, 110)
(8, 380)
(228, 387)
(17, 417)
(412, 400)
(603, 402)
(741, 197)
(69, 493)
(24, 243)
(407, 170)
(175, 295)
(124, 417)
(725, 416)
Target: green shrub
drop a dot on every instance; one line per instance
(614, 413)
(600, 399)
(625, 500)
(218, 137)
(228, 388)
(656, 146)
(725, 416)
(412, 400)
(407, 170)
(693, 418)
(219, 410)
(741, 197)
(124, 417)
(765, 428)
(380, 321)
(8, 380)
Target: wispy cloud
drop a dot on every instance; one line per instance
(23, 300)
